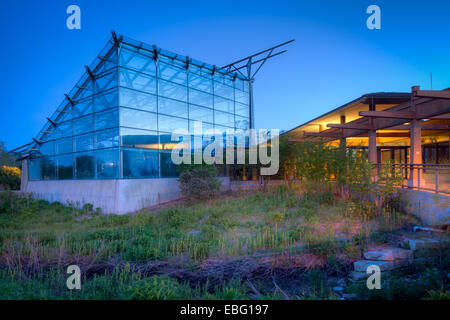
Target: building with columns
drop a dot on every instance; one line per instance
(409, 129)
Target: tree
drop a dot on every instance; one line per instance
(6, 158)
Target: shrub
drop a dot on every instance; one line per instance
(10, 177)
(155, 288)
(199, 182)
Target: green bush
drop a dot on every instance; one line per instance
(199, 182)
(155, 288)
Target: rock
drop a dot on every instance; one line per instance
(388, 254)
(419, 244)
(362, 265)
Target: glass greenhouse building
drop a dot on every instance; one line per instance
(116, 122)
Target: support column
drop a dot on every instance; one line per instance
(372, 145)
(342, 141)
(415, 156)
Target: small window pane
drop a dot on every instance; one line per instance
(140, 164)
(106, 101)
(84, 165)
(200, 98)
(242, 96)
(224, 119)
(223, 104)
(48, 167)
(137, 100)
(172, 107)
(200, 83)
(64, 146)
(47, 148)
(84, 142)
(169, 124)
(34, 169)
(107, 164)
(106, 81)
(168, 168)
(83, 125)
(64, 167)
(137, 81)
(106, 138)
(172, 73)
(201, 114)
(223, 90)
(134, 138)
(83, 108)
(137, 62)
(138, 119)
(108, 119)
(242, 123)
(172, 90)
(242, 110)
(63, 130)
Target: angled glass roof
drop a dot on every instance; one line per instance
(107, 59)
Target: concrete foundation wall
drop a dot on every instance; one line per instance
(432, 209)
(111, 196)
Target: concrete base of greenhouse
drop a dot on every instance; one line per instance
(111, 196)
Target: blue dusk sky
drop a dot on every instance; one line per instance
(334, 59)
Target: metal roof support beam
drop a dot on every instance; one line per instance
(389, 114)
(70, 100)
(114, 36)
(89, 72)
(432, 94)
(51, 121)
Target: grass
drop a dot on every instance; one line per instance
(220, 249)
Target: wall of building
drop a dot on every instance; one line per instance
(118, 196)
(432, 209)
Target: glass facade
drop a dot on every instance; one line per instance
(117, 121)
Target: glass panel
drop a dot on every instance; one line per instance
(64, 146)
(242, 123)
(242, 110)
(47, 148)
(172, 107)
(134, 138)
(138, 119)
(172, 73)
(106, 138)
(223, 91)
(172, 90)
(200, 83)
(167, 143)
(224, 119)
(205, 127)
(168, 168)
(169, 124)
(106, 81)
(84, 142)
(48, 167)
(106, 119)
(83, 125)
(34, 169)
(242, 96)
(200, 98)
(84, 165)
(201, 114)
(137, 100)
(137, 62)
(64, 167)
(107, 164)
(138, 81)
(63, 130)
(223, 104)
(106, 100)
(140, 164)
(84, 107)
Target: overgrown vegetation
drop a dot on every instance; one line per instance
(199, 181)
